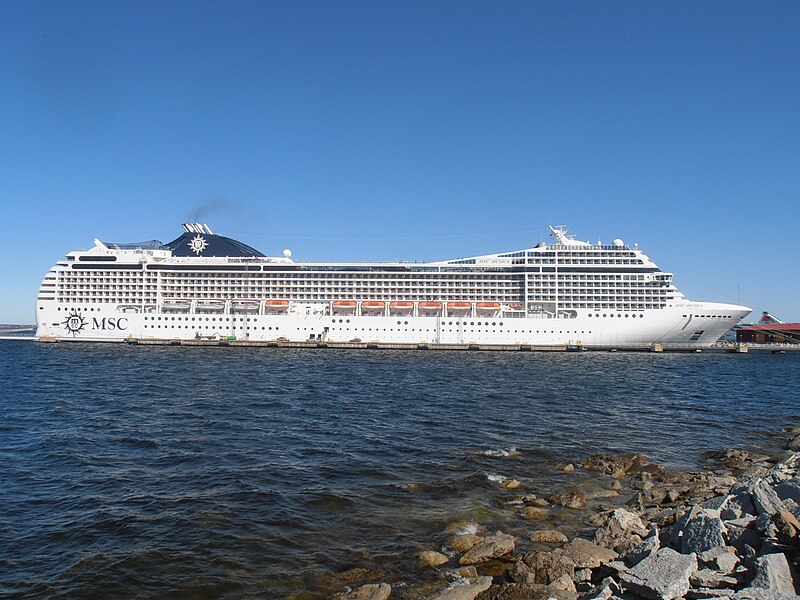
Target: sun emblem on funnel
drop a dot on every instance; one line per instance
(198, 244)
(74, 323)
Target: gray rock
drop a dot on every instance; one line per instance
(542, 567)
(465, 589)
(490, 547)
(638, 552)
(707, 578)
(765, 526)
(721, 559)
(773, 574)
(550, 536)
(789, 490)
(605, 590)
(371, 591)
(617, 566)
(756, 594)
(676, 536)
(586, 554)
(739, 537)
(521, 591)
(619, 526)
(765, 499)
(745, 521)
(662, 576)
(717, 502)
(563, 583)
(739, 505)
(703, 532)
(703, 593)
(583, 575)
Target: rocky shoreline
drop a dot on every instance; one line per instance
(728, 532)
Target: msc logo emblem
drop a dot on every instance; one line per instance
(198, 244)
(74, 323)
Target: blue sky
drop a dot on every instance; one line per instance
(430, 130)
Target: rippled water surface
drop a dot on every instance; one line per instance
(148, 472)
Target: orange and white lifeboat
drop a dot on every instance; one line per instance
(344, 307)
(372, 307)
(458, 308)
(429, 308)
(279, 306)
(515, 307)
(401, 307)
(487, 308)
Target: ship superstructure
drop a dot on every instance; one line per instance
(204, 285)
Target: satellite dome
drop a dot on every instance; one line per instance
(618, 242)
(287, 253)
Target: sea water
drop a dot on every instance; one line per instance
(210, 472)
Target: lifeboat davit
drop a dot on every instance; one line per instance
(428, 308)
(487, 308)
(344, 307)
(371, 307)
(458, 308)
(401, 307)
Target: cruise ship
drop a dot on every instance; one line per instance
(206, 286)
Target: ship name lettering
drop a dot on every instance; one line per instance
(110, 323)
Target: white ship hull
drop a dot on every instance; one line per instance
(676, 326)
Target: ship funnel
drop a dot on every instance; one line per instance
(197, 228)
